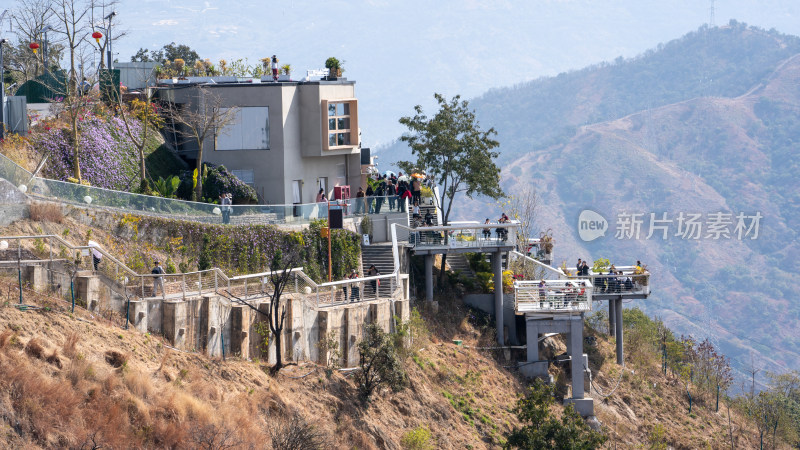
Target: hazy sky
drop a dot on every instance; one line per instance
(400, 53)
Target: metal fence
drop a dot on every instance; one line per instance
(135, 286)
(457, 236)
(90, 196)
(553, 296)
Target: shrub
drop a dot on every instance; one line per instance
(417, 439)
(379, 364)
(294, 434)
(542, 430)
(46, 212)
(34, 349)
(217, 180)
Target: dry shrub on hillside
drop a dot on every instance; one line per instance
(69, 345)
(53, 358)
(139, 384)
(34, 349)
(6, 336)
(116, 359)
(42, 405)
(213, 437)
(294, 433)
(46, 212)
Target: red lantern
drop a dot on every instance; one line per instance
(97, 35)
(34, 46)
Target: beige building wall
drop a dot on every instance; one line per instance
(296, 136)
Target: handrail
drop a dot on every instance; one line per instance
(216, 273)
(557, 271)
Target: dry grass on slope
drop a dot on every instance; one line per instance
(68, 381)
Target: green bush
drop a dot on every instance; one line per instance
(417, 439)
(379, 364)
(542, 430)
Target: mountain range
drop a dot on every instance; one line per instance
(704, 125)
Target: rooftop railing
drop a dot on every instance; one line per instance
(553, 296)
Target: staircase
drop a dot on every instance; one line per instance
(381, 256)
(423, 209)
(458, 263)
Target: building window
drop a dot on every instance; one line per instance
(246, 175)
(249, 130)
(340, 122)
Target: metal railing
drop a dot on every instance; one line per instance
(627, 283)
(95, 197)
(456, 236)
(525, 262)
(136, 286)
(553, 296)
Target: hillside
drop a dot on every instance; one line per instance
(72, 381)
(703, 124)
(152, 396)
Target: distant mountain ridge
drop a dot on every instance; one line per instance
(706, 123)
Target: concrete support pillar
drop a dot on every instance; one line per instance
(137, 315)
(533, 340)
(294, 330)
(618, 311)
(381, 315)
(575, 346)
(174, 323)
(612, 313)
(429, 278)
(87, 289)
(330, 325)
(497, 259)
(240, 331)
(35, 277)
(355, 318)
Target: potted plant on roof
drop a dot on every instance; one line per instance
(286, 72)
(334, 68)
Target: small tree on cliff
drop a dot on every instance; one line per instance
(280, 274)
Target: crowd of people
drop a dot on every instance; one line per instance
(392, 188)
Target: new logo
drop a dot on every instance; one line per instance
(591, 225)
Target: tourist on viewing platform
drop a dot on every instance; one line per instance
(355, 291)
(487, 232)
(542, 288)
(158, 282)
(225, 202)
(404, 194)
(320, 196)
(416, 190)
(360, 201)
(380, 192)
(578, 267)
(584, 269)
(391, 192)
(374, 272)
(370, 194)
(502, 233)
(97, 257)
(415, 211)
(428, 218)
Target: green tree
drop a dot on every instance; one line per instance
(169, 52)
(379, 363)
(452, 148)
(542, 430)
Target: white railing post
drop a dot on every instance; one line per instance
(216, 287)
(200, 281)
(183, 285)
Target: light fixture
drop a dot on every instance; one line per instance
(22, 188)
(88, 200)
